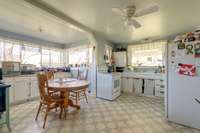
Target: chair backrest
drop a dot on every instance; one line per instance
(83, 74)
(49, 74)
(42, 84)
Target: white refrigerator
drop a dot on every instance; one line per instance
(183, 91)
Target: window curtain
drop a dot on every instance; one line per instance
(12, 50)
(31, 55)
(1, 50)
(147, 54)
(80, 55)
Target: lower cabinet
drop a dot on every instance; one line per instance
(147, 87)
(11, 90)
(22, 88)
(127, 85)
(159, 88)
(138, 84)
(34, 88)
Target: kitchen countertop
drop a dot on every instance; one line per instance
(144, 75)
(112, 73)
(26, 75)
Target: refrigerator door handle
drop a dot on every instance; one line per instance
(197, 100)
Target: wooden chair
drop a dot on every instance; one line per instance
(47, 102)
(79, 94)
(50, 75)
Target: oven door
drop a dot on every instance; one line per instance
(116, 84)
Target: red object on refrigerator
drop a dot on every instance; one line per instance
(187, 69)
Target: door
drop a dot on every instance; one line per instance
(182, 91)
(22, 89)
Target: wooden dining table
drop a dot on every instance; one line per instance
(64, 86)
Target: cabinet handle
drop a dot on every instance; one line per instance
(162, 92)
(162, 86)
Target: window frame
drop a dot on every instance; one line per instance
(156, 45)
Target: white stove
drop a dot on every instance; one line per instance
(108, 85)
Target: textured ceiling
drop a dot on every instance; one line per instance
(174, 16)
(19, 17)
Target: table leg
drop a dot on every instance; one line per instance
(74, 105)
(67, 101)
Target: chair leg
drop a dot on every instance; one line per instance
(77, 97)
(65, 113)
(45, 117)
(38, 111)
(61, 111)
(86, 97)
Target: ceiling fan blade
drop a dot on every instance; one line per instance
(146, 11)
(135, 23)
(118, 11)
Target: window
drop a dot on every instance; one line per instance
(56, 56)
(12, 51)
(31, 55)
(80, 55)
(149, 54)
(26, 53)
(45, 57)
(1, 50)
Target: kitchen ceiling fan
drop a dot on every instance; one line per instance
(130, 13)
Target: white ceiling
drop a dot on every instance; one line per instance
(175, 16)
(19, 17)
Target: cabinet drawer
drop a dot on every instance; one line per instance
(159, 87)
(159, 82)
(159, 93)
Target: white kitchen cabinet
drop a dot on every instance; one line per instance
(127, 85)
(120, 59)
(159, 88)
(11, 90)
(22, 89)
(138, 83)
(34, 87)
(149, 85)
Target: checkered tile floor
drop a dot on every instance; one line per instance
(127, 114)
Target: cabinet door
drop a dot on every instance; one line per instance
(138, 83)
(127, 85)
(149, 86)
(11, 89)
(34, 87)
(22, 89)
